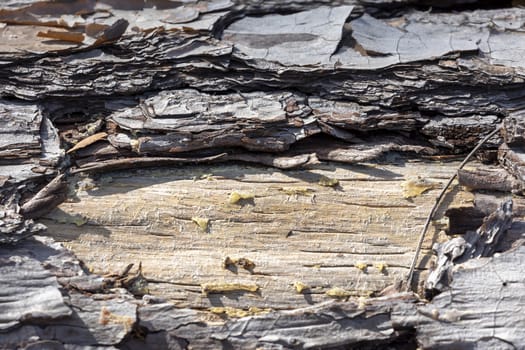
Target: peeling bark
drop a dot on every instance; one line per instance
(89, 87)
(473, 314)
(482, 243)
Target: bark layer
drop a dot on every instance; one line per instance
(96, 86)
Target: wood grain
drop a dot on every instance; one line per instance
(293, 229)
(244, 256)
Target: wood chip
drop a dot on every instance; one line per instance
(88, 141)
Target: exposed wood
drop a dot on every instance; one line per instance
(113, 318)
(293, 229)
(369, 322)
(488, 178)
(441, 197)
(242, 256)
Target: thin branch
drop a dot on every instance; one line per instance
(438, 201)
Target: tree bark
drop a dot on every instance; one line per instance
(294, 150)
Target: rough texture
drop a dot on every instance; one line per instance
(36, 290)
(482, 243)
(95, 86)
(481, 317)
(37, 311)
(330, 324)
(111, 317)
(292, 225)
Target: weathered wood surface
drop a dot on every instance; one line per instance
(106, 316)
(120, 85)
(110, 318)
(358, 235)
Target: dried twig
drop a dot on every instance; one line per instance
(438, 201)
(140, 162)
(46, 199)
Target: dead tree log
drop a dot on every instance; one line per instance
(296, 148)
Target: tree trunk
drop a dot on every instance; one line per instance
(257, 174)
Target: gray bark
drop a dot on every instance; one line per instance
(95, 86)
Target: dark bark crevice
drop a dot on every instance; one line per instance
(285, 84)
